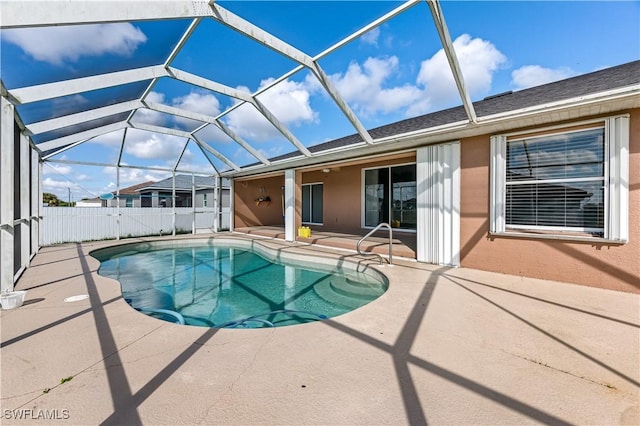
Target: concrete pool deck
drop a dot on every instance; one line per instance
(441, 346)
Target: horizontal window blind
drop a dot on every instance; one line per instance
(557, 181)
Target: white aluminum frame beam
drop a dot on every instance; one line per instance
(18, 14)
(25, 212)
(205, 83)
(160, 129)
(81, 136)
(259, 35)
(40, 92)
(184, 148)
(281, 127)
(450, 52)
(222, 126)
(218, 155)
(123, 166)
(61, 150)
(7, 114)
(35, 201)
(183, 134)
(325, 81)
(290, 190)
(154, 106)
(81, 117)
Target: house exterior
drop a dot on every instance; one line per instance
(127, 197)
(160, 194)
(546, 183)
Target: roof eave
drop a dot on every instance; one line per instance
(591, 105)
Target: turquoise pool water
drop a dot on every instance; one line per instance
(218, 286)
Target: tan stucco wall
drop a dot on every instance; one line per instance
(247, 213)
(610, 266)
(342, 193)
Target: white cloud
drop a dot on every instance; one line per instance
(56, 169)
(203, 103)
(535, 75)
(56, 45)
(60, 187)
(148, 116)
(129, 177)
(289, 101)
(362, 87)
(478, 60)
(149, 145)
(212, 133)
(371, 37)
(113, 139)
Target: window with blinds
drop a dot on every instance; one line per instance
(556, 182)
(562, 182)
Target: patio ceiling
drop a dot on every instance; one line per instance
(124, 93)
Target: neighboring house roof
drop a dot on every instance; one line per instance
(133, 190)
(183, 183)
(586, 84)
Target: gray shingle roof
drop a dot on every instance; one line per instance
(595, 82)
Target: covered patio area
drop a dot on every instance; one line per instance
(403, 244)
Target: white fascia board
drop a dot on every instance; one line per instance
(447, 45)
(221, 157)
(620, 94)
(281, 127)
(209, 85)
(25, 95)
(77, 137)
(261, 36)
(160, 129)
(346, 110)
(81, 117)
(20, 13)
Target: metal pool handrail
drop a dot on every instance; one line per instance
(380, 225)
(256, 318)
(174, 314)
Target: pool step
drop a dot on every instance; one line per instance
(348, 287)
(339, 291)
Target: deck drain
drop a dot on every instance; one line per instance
(76, 298)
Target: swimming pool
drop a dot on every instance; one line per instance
(235, 283)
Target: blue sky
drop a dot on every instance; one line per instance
(391, 73)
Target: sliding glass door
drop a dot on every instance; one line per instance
(390, 196)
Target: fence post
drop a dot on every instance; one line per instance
(173, 204)
(193, 202)
(117, 202)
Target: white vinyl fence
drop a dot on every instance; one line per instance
(76, 224)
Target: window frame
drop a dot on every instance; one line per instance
(615, 181)
(311, 184)
(390, 208)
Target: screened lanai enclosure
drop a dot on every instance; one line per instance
(101, 100)
(53, 115)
